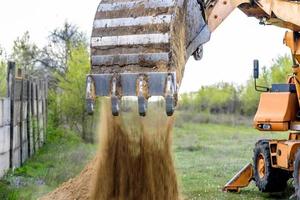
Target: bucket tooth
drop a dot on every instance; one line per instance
(90, 106)
(170, 105)
(142, 86)
(90, 95)
(170, 94)
(115, 106)
(115, 100)
(142, 105)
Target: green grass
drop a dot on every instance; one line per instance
(62, 158)
(208, 155)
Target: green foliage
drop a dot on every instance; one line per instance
(218, 98)
(228, 98)
(62, 41)
(7, 193)
(25, 53)
(68, 58)
(3, 74)
(281, 68)
(68, 99)
(249, 97)
(62, 158)
(65, 61)
(73, 84)
(187, 101)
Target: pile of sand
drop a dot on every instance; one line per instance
(134, 161)
(77, 188)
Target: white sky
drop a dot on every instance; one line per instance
(227, 57)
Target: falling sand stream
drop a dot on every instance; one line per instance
(134, 161)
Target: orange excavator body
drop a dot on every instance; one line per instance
(276, 111)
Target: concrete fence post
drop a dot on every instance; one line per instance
(10, 93)
(23, 118)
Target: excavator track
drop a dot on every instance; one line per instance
(140, 48)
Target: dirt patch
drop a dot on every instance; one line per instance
(77, 188)
(134, 160)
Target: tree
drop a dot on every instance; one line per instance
(67, 57)
(61, 43)
(281, 68)
(187, 101)
(217, 98)
(25, 53)
(249, 99)
(71, 98)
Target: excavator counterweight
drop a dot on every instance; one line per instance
(140, 47)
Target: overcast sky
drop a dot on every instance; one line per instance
(227, 57)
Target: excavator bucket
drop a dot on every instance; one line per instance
(240, 180)
(140, 47)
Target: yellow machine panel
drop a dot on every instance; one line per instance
(283, 153)
(275, 111)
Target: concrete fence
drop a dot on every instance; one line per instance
(23, 119)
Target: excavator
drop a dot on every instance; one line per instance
(139, 49)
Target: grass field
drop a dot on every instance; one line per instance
(206, 156)
(62, 158)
